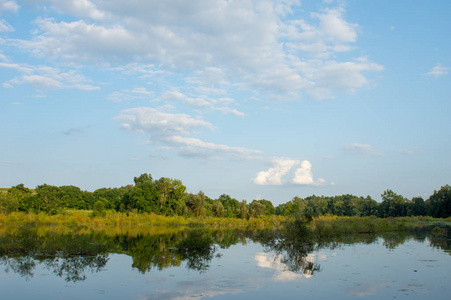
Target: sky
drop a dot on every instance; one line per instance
(255, 99)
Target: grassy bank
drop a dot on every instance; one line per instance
(84, 218)
(326, 226)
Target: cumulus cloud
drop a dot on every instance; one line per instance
(274, 176)
(303, 175)
(254, 45)
(362, 149)
(438, 71)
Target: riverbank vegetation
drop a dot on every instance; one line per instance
(166, 201)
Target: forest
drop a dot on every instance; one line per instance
(168, 197)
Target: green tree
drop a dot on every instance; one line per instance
(98, 209)
(115, 196)
(196, 204)
(171, 196)
(256, 209)
(244, 210)
(48, 199)
(439, 204)
(144, 196)
(417, 207)
(231, 205)
(73, 197)
(392, 205)
(269, 207)
(15, 199)
(217, 209)
(369, 207)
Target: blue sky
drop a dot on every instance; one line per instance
(255, 99)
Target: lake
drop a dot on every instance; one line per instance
(182, 263)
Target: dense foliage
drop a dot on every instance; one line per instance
(168, 197)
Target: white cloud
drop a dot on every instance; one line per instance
(273, 176)
(335, 27)
(158, 124)
(204, 102)
(438, 71)
(11, 6)
(172, 130)
(128, 95)
(252, 45)
(333, 75)
(44, 77)
(17, 67)
(304, 176)
(197, 147)
(282, 272)
(362, 149)
(82, 8)
(5, 26)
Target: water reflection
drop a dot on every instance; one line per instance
(73, 253)
(68, 256)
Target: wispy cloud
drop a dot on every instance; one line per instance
(173, 130)
(73, 131)
(438, 71)
(406, 152)
(45, 77)
(362, 149)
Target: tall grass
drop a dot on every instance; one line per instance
(86, 218)
(332, 225)
(321, 226)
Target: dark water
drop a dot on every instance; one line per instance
(165, 263)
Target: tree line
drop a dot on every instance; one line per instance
(166, 196)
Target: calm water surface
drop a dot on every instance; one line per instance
(163, 263)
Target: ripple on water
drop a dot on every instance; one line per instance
(228, 284)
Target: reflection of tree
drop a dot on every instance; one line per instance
(292, 245)
(73, 267)
(152, 251)
(198, 249)
(72, 253)
(393, 239)
(440, 238)
(68, 256)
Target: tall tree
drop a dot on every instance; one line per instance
(15, 199)
(439, 204)
(392, 205)
(144, 196)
